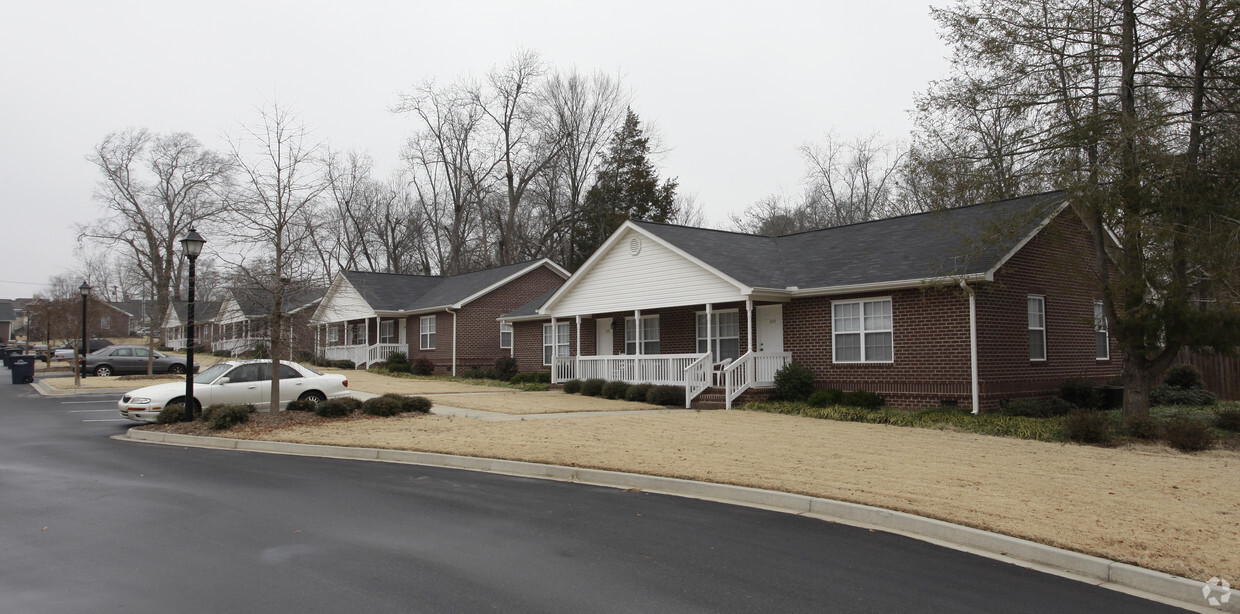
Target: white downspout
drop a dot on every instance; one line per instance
(449, 310)
(972, 344)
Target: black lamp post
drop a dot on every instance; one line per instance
(84, 289)
(192, 246)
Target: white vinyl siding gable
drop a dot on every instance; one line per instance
(655, 277)
(426, 333)
(861, 331)
(1037, 328)
(343, 303)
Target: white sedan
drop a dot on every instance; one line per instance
(236, 381)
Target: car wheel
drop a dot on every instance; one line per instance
(314, 396)
(103, 371)
(176, 369)
(181, 400)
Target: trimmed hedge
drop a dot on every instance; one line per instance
(335, 408)
(614, 390)
(506, 367)
(221, 417)
(572, 386)
(638, 392)
(592, 387)
(300, 405)
(826, 397)
(1228, 420)
(1183, 376)
(1036, 408)
(793, 382)
(387, 405)
(863, 399)
(534, 377)
(171, 414)
(396, 358)
(422, 366)
(672, 396)
(1165, 394)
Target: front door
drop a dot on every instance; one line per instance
(770, 327)
(602, 337)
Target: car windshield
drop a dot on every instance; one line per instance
(310, 369)
(208, 375)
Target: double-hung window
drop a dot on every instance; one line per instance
(426, 333)
(505, 335)
(387, 331)
(555, 341)
(1037, 328)
(725, 335)
(1102, 337)
(861, 331)
(650, 335)
(333, 334)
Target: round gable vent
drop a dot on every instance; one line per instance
(635, 246)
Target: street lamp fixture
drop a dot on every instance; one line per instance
(191, 245)
(84, 289)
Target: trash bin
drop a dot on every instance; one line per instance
(9, 353)
(22, 367)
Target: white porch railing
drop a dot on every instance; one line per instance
(751, 369)
(238, 345)
(697, 378)
(662, 369)
(354, 353)
(379, 352)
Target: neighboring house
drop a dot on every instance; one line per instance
(139, 314)
(451, 321)
(105, 319)
(969, 306)
(8, 317)
(241, 322)
(176, 319)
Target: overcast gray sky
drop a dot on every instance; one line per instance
(732, 88)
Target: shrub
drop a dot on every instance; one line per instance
(826, 397)
(422, 366)
(666, 395)
(220, 353)
(1036, 408)
(417, 405)
(1088, 426)
(335, 408)
(592, 387)
(344, 364)
(300, 405)
(793, 382)
(221, 417)
(1183, 376)
(399, 367)
(387, 405)
(614, 390)
(505, 367)
(396, 358)
(638, 392)
(171, 414)
(1228, 420)
(1164, 394)
(1144, 427)
(1081, 392)
(478, 373)
(535, 377)
(1188, 435)
(862, 398)
(572, 386)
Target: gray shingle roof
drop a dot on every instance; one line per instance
(530, 308)
(203, 310)
(959, 241)
(257, 302)
(391, 292)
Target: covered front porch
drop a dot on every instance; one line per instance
(364, 341)
(726, 348)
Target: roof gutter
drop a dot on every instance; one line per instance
(881, 286)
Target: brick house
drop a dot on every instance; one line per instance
(8, 317)
(452, 321)
(241, 322)
(968, 306)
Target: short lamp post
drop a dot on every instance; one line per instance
(192, 246)
(84, 289)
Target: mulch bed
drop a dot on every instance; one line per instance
(260, 424)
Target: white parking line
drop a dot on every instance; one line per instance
(111, 420)
(85, 402)
(87, 411)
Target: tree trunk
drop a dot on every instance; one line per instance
(1138, 381)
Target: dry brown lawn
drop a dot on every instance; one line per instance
(1142, 504)
(515, 402)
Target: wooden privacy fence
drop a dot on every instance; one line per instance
(1220, 373)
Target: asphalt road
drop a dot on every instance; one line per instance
(91, 524)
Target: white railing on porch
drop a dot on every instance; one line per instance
(697, 378)
(751, 369)
(352, 353)
(661, 369)
(379, 352)
(238, 345)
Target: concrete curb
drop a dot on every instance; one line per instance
(1149, 584)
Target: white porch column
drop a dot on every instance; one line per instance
(637, 322)
(709, 339)
(579, 336)
(577, 357)
(749, 324)
(553, 353)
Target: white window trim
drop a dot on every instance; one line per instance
(333, 334)
(1045, 350)
(863, 331)
(1100, 326)
(426, 334)
(391, 332)
(644, 339)
(505, 328)
(557, 348)
(698, 334)
(105, 323)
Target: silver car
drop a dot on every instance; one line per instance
(130, 360)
